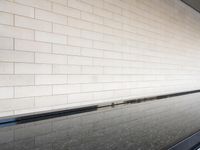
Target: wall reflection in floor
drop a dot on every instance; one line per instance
(150, 125)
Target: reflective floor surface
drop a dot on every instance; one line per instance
(151, 125)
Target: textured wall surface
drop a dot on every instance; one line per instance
(67, 53)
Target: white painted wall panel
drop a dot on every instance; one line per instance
(68, 53)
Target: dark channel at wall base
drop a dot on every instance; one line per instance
(53, 114)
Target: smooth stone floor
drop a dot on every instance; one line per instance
(150, 125)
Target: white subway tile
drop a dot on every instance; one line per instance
(66, 89)
(50, 37)
(6, 92)
(15, 8)
(91, 35)
(112, 24)
(120, 18)
(103, 95)
(43, 4)
(64, 10)
(66, 69)
(91, 18)
(33, 46)
(81, 79)
(15, 56)
(102, 13)
(112, 39)
(112, 70)
(64, 49)
(107, 62)
(91, 52)
(67, 30)
(74, 41)
(119, 3)
(6, 18)
(32, 110)
(62, 2)
(79, 5)
(16, 104)
(22, 68)
(6, 43)
(32, 24)
(102, 29)
(50, 16)
(113, 55)
(50, 58)
(77, 23)
(16, 32)
(16, 80)
(6, 105)
(97, 3)
(28, 91)
(91, 87)
(112, 8)
(6, 113)
(50, 79)
(80, 97)
(102, 45)
(92, 70)
(51, 100)
(6, 68)
(77, 60)
(23, 103)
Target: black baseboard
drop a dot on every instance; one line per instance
(46, 115)
(53, 114)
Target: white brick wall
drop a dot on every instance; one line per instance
(69, 53)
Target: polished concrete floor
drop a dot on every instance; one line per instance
(151, 125)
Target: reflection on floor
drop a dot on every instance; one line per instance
(150, 125)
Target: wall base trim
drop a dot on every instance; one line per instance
(20, 119)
